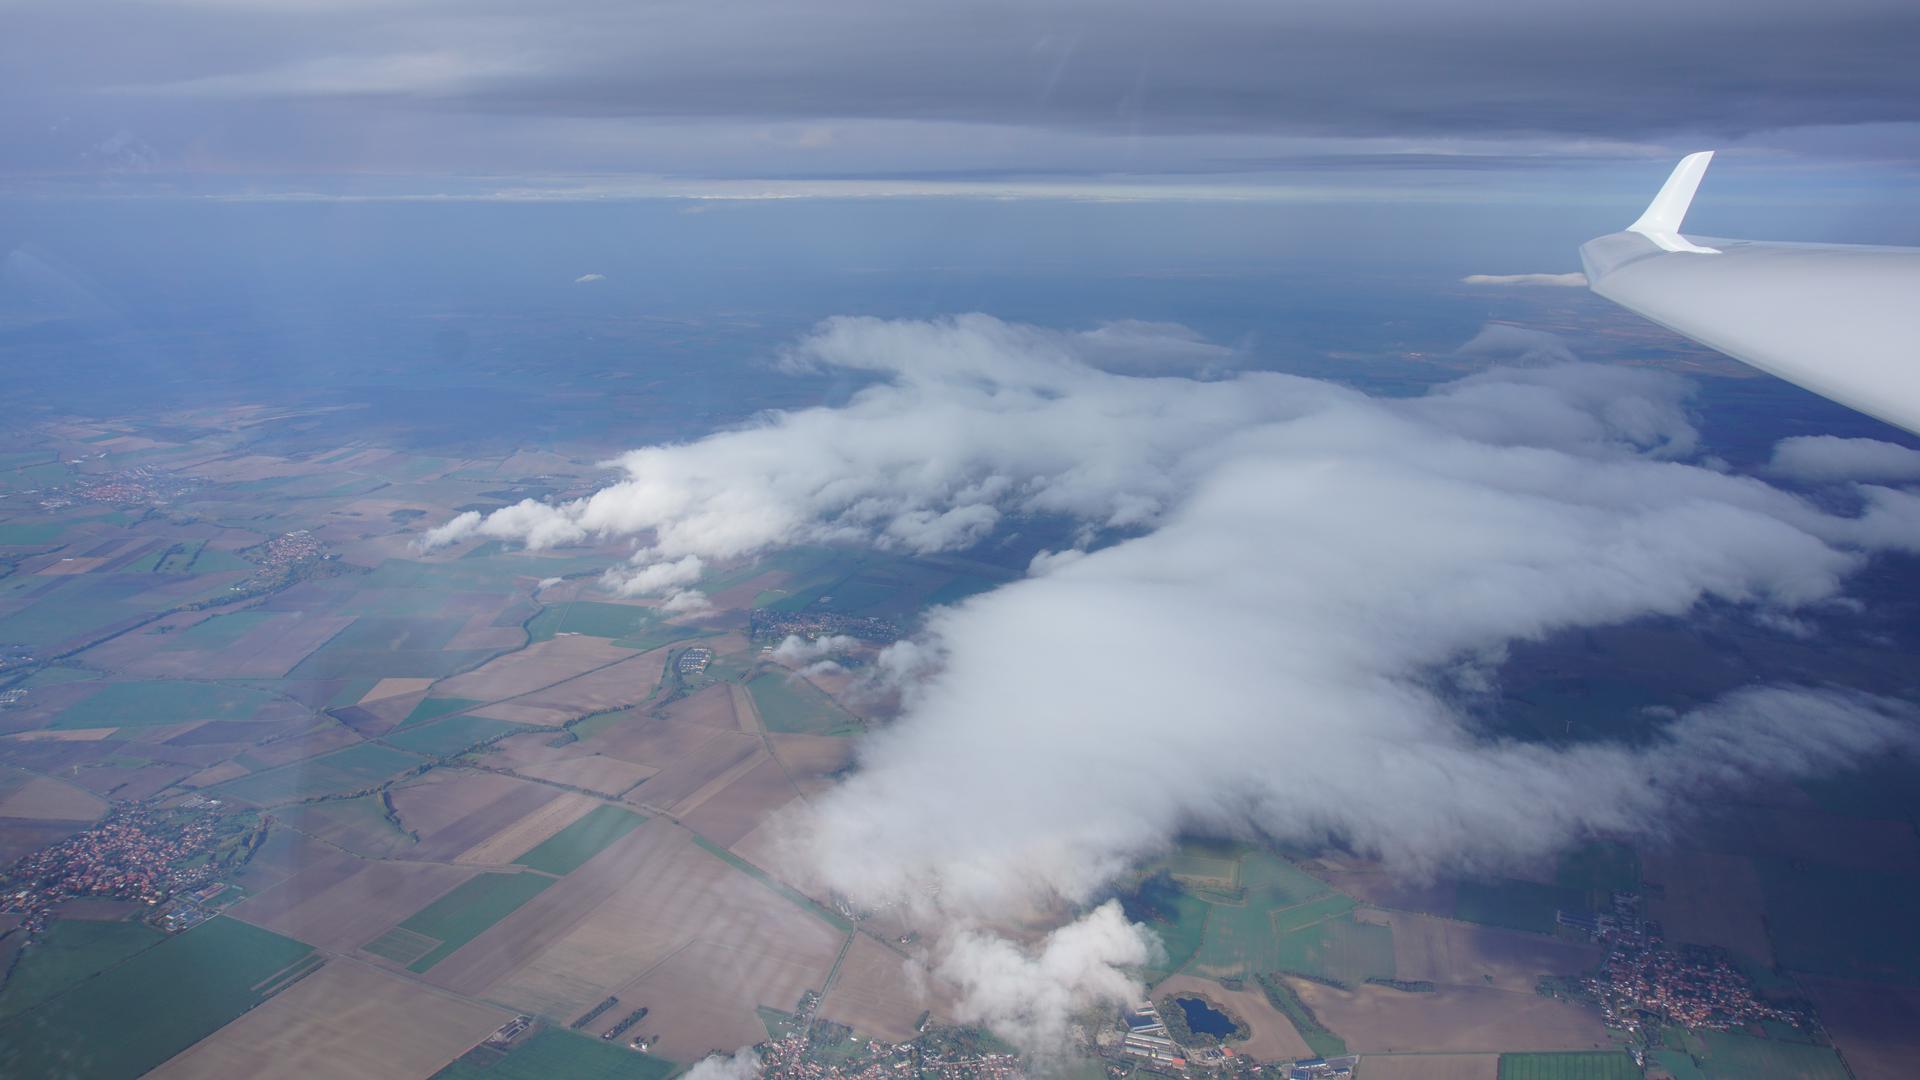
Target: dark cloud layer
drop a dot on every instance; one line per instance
(846, 86)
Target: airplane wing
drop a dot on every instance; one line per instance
(1841, 320)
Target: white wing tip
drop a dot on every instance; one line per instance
(1668, 210)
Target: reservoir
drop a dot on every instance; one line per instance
(1204, 1019)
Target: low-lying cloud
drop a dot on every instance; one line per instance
(1574, 280)
(1831, 459)
(1282, 592)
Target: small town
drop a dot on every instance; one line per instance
(778, 625)
(1645, 983)
(141, 855)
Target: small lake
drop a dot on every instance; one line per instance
(1204, 1018)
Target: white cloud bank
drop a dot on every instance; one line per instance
(1575, 280)
(588, 279)
(1831, 459)
(1313, 575)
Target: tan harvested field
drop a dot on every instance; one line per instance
(649, 740)
(319, 740)
(535, 667)
(215, 774)
(1454, 1018)
(41, 799)
(616, 686)
(345, 1021)
(1445, 951)
(704, 994)
(729, 814)
(875, 995)
(520, 837)
(70, 565)
(19, 837)
(479, 633)
(726, 779)
(284, 854)
(1367, 882)
(608, 776)
(344, 903)
(1875, 1027)
(1273, 1038)
(682, 778)
(1710, 899)
(453, 810)
(653, 896)
(390, 688)
(711, 707)
(92, 734)
(267, 651)
(1429, 1067)
(812, 759)
(537, 715)
(531, 748)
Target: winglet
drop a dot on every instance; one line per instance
(1661, 223)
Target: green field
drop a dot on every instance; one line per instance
(434, 708)
(57, 676)
(570, 848)
(445, 738)
(1743, 1057)
(1516, 905)
(1319, 1038)
(142, 1012)
(553, 1053)
(1600, 868)
(793, 705)
(1173, 913)
(1854, 924)
(592, 618)
(467, 911)
(67, 952)
(1276, 923)
(1678, 1063)
(354, 769)
(141, 704)
(391, 646)
(30, 535)
(1584, 1065)
(69, 614)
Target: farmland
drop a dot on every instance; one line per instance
(791, 704)
(344, 1022)
(1731, 1056)
(161, 702)
(552, 1053)
(568, 849)
(467, 911)
(1581, 1066)
(1516, 905)
(445, 738)
(354, 769)
(134, 1016)
(70, 951)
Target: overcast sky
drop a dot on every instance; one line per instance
(1213, 96)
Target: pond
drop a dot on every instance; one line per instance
(1204, 1019)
